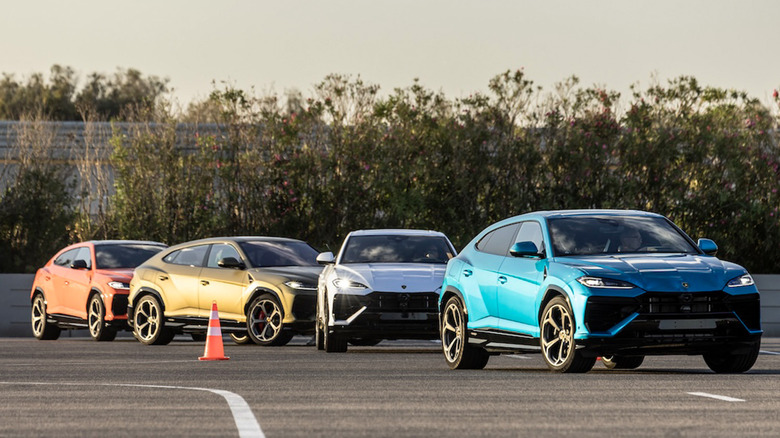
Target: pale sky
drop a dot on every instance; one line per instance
(450, 45)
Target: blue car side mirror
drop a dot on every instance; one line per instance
(708, 246)
(525, 249)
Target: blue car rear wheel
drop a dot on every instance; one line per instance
(454, 339)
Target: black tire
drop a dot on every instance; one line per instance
(319, 334)
(241, 338)
(458, 354)
(364, 342)
(149, 322)
(41, 328)
(729, 363)
(622, 362)
(198, 337)
(265, 322)
(556, 337)
(96, 322)
(333, 342)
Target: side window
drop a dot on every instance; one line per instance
(531, 232)
(66, 258)
(218, 252)
(498, 241)
(192, 256)
(84, 254)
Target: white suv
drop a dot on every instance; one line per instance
(384, 284)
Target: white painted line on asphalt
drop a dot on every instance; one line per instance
(247, 424)
(769, 352)
(715, 396)
(92, 363)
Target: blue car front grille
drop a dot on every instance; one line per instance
(603, 313)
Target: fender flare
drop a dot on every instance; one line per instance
(260, 291)
(37, 291)
(144, 291)
(452, 290)
(552, 291)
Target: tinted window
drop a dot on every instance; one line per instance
(498, 241)
(192, 256)
(396, 249)
(84, 254)
(123, 255)
(531, 232)
(66, 258)
(616, 234)
(219, 252)
(267, 253)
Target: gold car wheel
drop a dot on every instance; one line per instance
(265, 320)
(148, 323)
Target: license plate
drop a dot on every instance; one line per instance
(686, 324)
(415, 316)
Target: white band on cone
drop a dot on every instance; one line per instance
(214, 331)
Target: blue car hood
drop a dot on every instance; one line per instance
(660, 273)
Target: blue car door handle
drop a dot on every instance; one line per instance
(502, 279)
(467, 272)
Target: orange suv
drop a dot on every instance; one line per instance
(85, 286)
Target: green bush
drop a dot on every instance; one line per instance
(35, 216)
(348, 157)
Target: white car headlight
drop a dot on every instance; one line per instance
(300, 286)
(118, 285)
(742, 280)
(604, 283)
(343, 283)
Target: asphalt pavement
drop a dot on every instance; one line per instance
(78, 387)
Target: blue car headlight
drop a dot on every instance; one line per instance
(742, 280)
(604, 283)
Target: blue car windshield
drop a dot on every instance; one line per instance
(601, 235)
(396, 249)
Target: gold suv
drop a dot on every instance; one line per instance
(265, 289)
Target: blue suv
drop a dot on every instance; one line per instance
(581, 284)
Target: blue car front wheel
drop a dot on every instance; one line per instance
(557, 339)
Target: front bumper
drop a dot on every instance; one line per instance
(671, 323)
(387, 315)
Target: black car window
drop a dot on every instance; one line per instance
(85, 255)
(219, 251)
(394, 248)
(531, 231)
(118, 256)
(591, 235)
(192, 256)
(499, 240)
(264, 253)
(66, 258)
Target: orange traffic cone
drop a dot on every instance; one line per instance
(214, 349)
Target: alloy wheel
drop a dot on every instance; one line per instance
(265, 320)
(95, 317)
(147, 321)
(38, 317)
(451, 332)
(557, 335)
